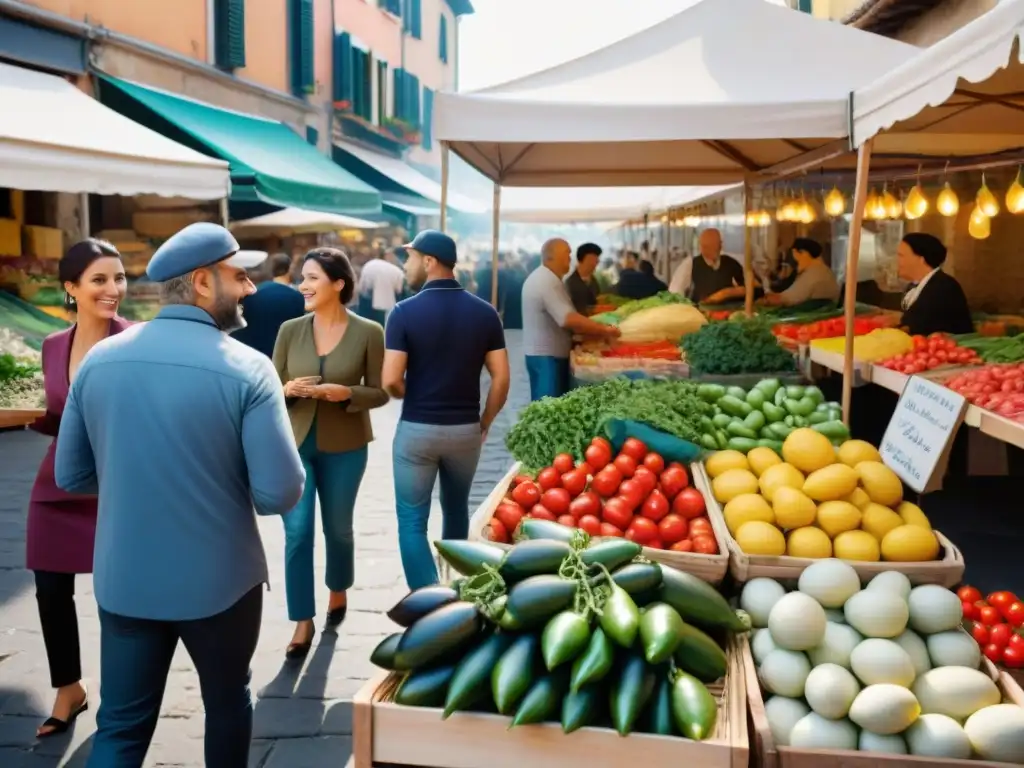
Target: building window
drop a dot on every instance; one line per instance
(412, 19)
(312, 135)
(407, 98)
(382, 92)
(442, 45)
(426, 133)
(394, 7)
(362, 84)
(229, 34)
(301, 46)
(805, 6)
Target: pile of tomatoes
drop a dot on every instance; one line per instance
(832, 328)
(634, 495)
(931, 352)
(997, 388)
(997, 624)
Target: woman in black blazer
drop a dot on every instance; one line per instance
(935, 302)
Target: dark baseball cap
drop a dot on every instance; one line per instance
(430, 242)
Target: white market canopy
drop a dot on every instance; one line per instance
(55, 138)
(963, 96)
(296, 221)
(555, 205)
(721, 90)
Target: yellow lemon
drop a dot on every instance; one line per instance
(858, 498)
(853, 452)
(831, 483)
(912, 515)
(760, 538)
(880, 483)
(910, 544)
(761, 459)
(793, 508)
(744, 508)
(835, 517)
(808, 542)
(856, 545)
(722, 461)
(879, 520)
(732, 483)
(778, 476)
(808, 450)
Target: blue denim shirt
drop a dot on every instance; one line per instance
(182, 430)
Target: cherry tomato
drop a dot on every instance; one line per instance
(618, 512)
(509, 514)
(968, 594)
(1016, 641)
(654, 543)
(675, 465)
(590, 524)
(526, 494)
(1014, 614)
(520, 479)
(700, 526)
(603, 442)
(557, 500)
(655, 506)
(575, 482)
(989, 616)
(643, 530)
(673, 480)
(685, 545)
(606, 482)
(497, 531)
(625, 464)
(549, 477)
(654, 462)
(564, 462)
(540, 512)
(585, 468)
(607, 529)
(705, 545)
(980, 634)
(1013, 658)
(567, 520)
(587, 503)
(646, 478)
(633, 492)
(971, 611)
(689, 503)
(993, 652)
(634, 449)
(1001, 599)
(1000, 635)
(673, 528)
(597, 456)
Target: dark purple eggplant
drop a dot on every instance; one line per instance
(420, 602)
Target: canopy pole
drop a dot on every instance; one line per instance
(852, 256)
(748, 252)
(83, 215)
(444, 186)
(495, 230)
(224, 212)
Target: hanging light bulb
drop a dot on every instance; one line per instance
(835, 203)
(807, 212)
(947, 203)
(1015, 196)
(765, 219)
(893, 207)
(869, 205)
(691, 221)
(751, 218)
(980, 225)
(916, 204)
(985, 200)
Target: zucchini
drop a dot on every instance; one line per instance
(721, 421)
(425, 687)
(437, 634)
(469, 557)
(710, 393)
(543, 700)
(612, 554)
(535, 600)
(630, 691)
(470, 683)
(694, 709)
(544, 529)
(383, 655)
(738, 392)
(638, 577)
(742, 444)
(700, 655)
(420, 602)
(699, 602)
(582, 707)
(734, 406)
(515, 672)
(739, 429)
(533, 558)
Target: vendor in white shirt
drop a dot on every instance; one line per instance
(383, 282)
(814, 279)
(711, 277)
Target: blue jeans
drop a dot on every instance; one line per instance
(135, 657)
(420, 453)
(549, 376)
(335, 478)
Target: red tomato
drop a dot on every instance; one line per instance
(684, 545)
(1001, 599)
(705, 545)
(520, 479)
(509, 514)
(526, 494)
(655, 507)
(971, 611)
(968, 594)
(654, 544)
(587, 503)
(1014, 614)
(673, 480)
(564, 462)
(980, 634)
(540, 512)
(625, 464)
(567, 520)
(498, 532)
(646, 478)
(700, 526)
(585, 468)
(689, 503)
(989, 616)
(557, 500)
(603, 443)
(597, 456)
(1016, 641)
(618, 512)
(1013, 658)
(575, 482)
(634, 449)
(993, 652)
(549, 477)
(606, 482)
(607, 529)
(643, 530)
(654, 462)
(633, 492)
(590, 524)
(673, 528)
(1000, 635)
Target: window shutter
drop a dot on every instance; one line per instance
(416, 20)
(342, 59)
(414, 100)
(399, 105)
(391, 6)
(442, 46)
(229, 34)
(312, 135)
(303, 79)
(426, 135)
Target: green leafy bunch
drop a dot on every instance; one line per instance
(12, 370)
(736, 346)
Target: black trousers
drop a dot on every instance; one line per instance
(55, 595)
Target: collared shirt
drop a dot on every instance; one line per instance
(911, 296)
(383, 281)
(265, 311)
(814, 282)
(546, 305)
(182, 430)
(682, 279)
(582, 293)
(446, 333)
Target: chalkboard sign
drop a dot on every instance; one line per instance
(917, 442)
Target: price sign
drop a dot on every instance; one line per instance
(917, 442)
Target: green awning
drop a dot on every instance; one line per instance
(269, 161)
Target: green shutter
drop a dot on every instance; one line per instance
(362, 103)
(312, 135)
(342, 61)
(391, 6)
(416, 19)
(442, 45)
(427, 132)
(806, 6)
(399, 95)
(414, 101)
(301, 33)
(229, 34)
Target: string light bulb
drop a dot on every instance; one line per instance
(835, 203)
(947, 203)
(980, 225)
(1015, 196)
(893, 207)
(916, 204)
(985, 200)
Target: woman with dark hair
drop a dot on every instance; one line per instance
(62, 526)
(330, 363)
(935, 302)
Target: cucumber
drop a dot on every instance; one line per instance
(734, 406)
(769, 387)
(700, 655)
(565, 637)
(535, 600)
(693, 708)
(773, 413)
(638, 577)
(660, 626)
(420, 602)
(742, 444)
(533, 558)
(739, 429)
(699, 602)
(425, 687)
(543, 700)
(754, 420)
(658, 717)
(612, 554)
(469, 557)
(721, 421)
(594, 663)
(383, 655)
(630, 691)
(833, 430)
(775, 445)
(710, 393)
(437, 634)
(470, 683)
(515, 672)
(738, 392)
(544, 529)
(755, 399)
(582, 707)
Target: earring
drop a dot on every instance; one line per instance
(70, 299)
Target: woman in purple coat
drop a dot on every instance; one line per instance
(62, 526)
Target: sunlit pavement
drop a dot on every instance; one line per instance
(303, 714)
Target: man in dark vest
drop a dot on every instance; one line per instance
(710, 277)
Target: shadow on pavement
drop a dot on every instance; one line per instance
(19, 747)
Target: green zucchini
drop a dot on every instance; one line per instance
(533, 558)
(768, 387)
(721, 421)
(738, 392)
(612, 554)
(742, 444)
(773, 413)
(694, 709)
(383, 655)
(437, 634)
(833, 430)
(658, 716)
(739, 429)
(710, 393)
(515, 672)
(564, 638)
(620, 618)
(660, 626)
(425, 687)
(535, 600)
(470, 683)
(638, 577)
(580, 708)
(594, 663)
(699, 602)
(631, 689)
(420, 602)
(755, 399)
(700, 655)
(543, 700)
(469, 557)
(545, 529)
(734, 406)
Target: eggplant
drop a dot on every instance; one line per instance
(438, 634)
(470, 684)
(425, 687)
(700, 603)
(612, 554)
(699, 654)
(420, 602)
(582, 707)
(383, 655)
(533, 558)
(631, 690)
(545, 529)
(535, 600)
(637, 578)
(469, 557)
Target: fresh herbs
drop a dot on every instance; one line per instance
(20, 383)
(11, 369)
(736, 346)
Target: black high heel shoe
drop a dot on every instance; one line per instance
(300, 650)
(335, 617)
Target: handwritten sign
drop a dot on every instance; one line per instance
(917, 441)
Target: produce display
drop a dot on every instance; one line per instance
(930, 353)
(669, 322)
(880, 344)
(736, 346)
(588, 634)
(21, 382)
(817, 501)
(634, 495)
(626, 308)
(830, 328)
(652, 350)
(885, 668)
(568, 424)
(765, 415)
(997, 388)
(996, 623)
(1005, 349)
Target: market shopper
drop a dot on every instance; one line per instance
(329, 362)
(712, 276)
(549, 322)
(381, 282)
(438, 343)
(814, 278)
(581, 282)
(275, 302)
(935, 302)
(62, 526)
(182, 431)
(640, 283)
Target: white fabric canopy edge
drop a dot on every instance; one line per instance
(597, 205)
(299, 220)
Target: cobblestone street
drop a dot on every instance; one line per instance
(303, 715)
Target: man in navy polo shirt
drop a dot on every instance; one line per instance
(437, 343)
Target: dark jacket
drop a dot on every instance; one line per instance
(940, 308)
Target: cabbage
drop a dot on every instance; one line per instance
(666, 323)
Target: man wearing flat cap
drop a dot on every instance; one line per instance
(182, 431)
(437, 343)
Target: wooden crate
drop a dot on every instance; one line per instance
(387, 733)
(710, 568)
(19, 417)
(947, 571)
(766, 754)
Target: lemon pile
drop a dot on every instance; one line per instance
(817, 501)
